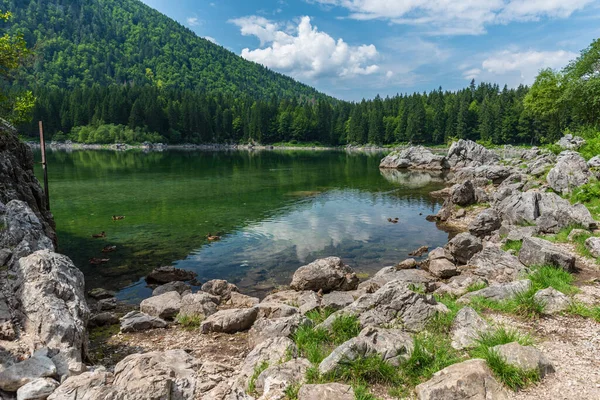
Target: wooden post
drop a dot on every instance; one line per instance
(44, 165)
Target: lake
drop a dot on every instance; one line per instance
(274, 211)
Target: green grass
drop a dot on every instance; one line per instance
(291, 392)
(578, 240)
(441, 323)
(189, 322)
(319, 315)
(258, 369)
(476, 286)
(344, 328)
(361, 392)
(589, 195)
(513, 245)
(416, 288)
(584, 310)
(371, 369)
(557, 278)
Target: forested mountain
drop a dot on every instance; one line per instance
(83, 42)
(117, 71)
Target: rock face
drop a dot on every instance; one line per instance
(593, 245)
(23, 232)
(464, 246)
(51, 291)
(570, 172)
(329, 391)
(466, 153)
(470, 379)
(414, 158)
(230, 321)
(524, 357)
(326, 274)
(485, 223)
(495, 265)
(136, 321)
(169, 274)
(165, 306)
(393, 304)
(220, 288)
(553, 300)
(536, 252)
(391, 345)
(18, 181)
(466, 328)
(17, 375)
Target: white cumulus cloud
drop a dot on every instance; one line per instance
(193, 21)
(304, 51)
(457, 17)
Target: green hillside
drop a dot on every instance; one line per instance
(82, 42)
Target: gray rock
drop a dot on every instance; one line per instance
(17, 375)
(265, 328)
(470, 379)
(559, 213)
(414, 157)
(272, 351)
(326, 274)
(553, 300)
(238, 300)
(392, 345)
(485, 223)
(336, 300)
(326, 391)
(230, 321)
(519, 208)
(199, 304)
(571, 142)
(409, 263)
(94, 385)
(575, 233)
(157, 375)
(463, 194)
(103, 319)
(442, 268)
(499, 291)
(464, 246)
(467, 328)
(212, 374)
(169, 274)
(495, 265)
(164, 306)
(459, 285)
(23, 231)
(394, 305)
(220, 288)
(466, 153)
(51, 292)
(38, 389)
(106, 304)
(277, 378)
(594, 162)
(537, 252)
(275, 310)
(524, 357)
(570, 172)
(136, 321)
(593, 245)
(417, 277)
(306, 300)
(175, 286)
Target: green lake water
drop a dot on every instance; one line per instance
(275, 211)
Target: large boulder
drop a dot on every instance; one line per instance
(463, 194)
(198, 304)
(230, 321)
(571, 142)
(417, 157)
(168, 274)
(392, 345)
(393, 305)
(19, 374)
(326, 274)
(51, 292)
(93, 385)
(37, 389)
(524, 357)
(464, 246)
(485, 223)
(467, 328)
(570, 172)
(466, 153)
(470, 379)
(539, 252)
(220, 288)
(273, 381)
(157, 375)
(165, 306)
(326, 391)
(136, 321)
(495, 265)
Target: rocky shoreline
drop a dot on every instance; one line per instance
(499, 312)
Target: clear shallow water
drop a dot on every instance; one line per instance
(275, 212)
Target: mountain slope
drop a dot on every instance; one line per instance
(83, 42)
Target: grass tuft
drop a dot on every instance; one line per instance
(344, 328)
(189, 322)
(511, 375)
(258, 369)
(291, 392)
(319, 315)
(513, 245)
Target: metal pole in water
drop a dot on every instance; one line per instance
(44, 165)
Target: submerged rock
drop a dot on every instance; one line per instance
(175, 286)
(169, 274)
(326, 274)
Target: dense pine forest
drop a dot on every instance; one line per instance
(118, 71)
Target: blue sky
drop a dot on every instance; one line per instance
(352, 49)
